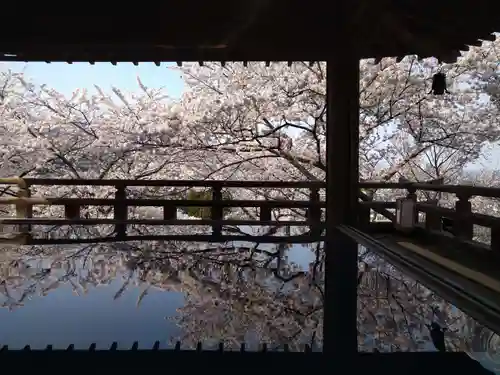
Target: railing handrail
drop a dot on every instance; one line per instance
(483, 220)
(19, 181)
(175, 183)
(467, 190)
(162, 202)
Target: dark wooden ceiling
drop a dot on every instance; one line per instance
(245, 30)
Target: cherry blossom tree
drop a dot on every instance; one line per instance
(86, 136)
(270, 121)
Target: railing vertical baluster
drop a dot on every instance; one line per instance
(217, 210)
(169, 212)
(72, 211)
(29, 207)
(364, 216)
(412, 194)
(462, 226)
(120, 210)
(495, 241)
(24, 210)
(433, 219)
(265, 212)
(314, 212)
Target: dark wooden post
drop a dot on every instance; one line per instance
(342, 179)
(24, 210)
(314, 213)
(462, 225)
(412, 194)
(364, 216)
(120, 211)
(433, 219)
(265, 213)
(169, 212)
(29, 207)
(495, 241)
(217, 211)
(72, 211)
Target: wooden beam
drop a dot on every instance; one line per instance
(340, 316)
(248, 15)
(169, 183)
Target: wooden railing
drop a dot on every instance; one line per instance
(24, 203)
(461, 217)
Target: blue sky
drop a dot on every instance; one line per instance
(66, 78)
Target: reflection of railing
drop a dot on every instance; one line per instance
(24, 204)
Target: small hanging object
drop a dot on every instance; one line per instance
(439, 84)
(437, 336)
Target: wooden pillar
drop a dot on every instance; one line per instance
(71, 211)
(217, 211)
(342, 159)
(314, 213)
(169, 212)
(433, 219)
(120, 211)
(24, 210)
(462, 225)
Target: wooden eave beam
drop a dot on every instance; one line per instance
(248, 16)
(423, 46)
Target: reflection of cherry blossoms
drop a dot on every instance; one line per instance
(395, 311)
(250, 293)
(252, 304)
